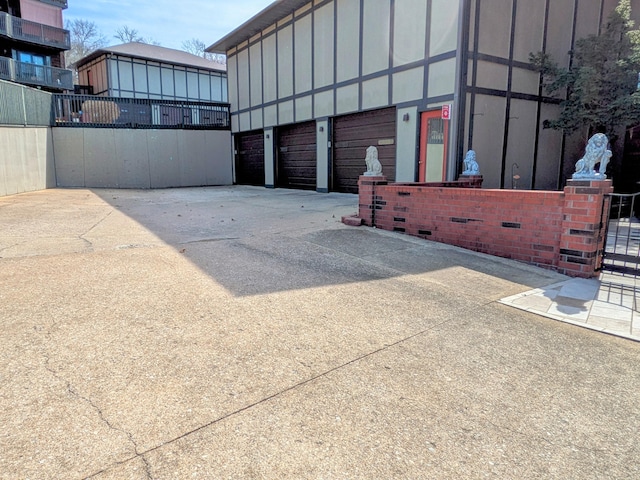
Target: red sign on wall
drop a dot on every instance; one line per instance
(446, 112)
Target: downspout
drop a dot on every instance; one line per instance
(457, 118)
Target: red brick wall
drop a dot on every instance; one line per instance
(559, 230)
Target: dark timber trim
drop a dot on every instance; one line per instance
(360, 56)
(536, 147)
(474, 75)
(507, 113)
(392, 8)
(464, 79)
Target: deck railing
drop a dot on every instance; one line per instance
(37, 75)
(56, 3)
(33, 32)
(113, 112)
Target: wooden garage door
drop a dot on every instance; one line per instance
(352, 135)
(250, 158)
(297, 156)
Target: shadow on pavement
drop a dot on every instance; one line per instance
(255, 241)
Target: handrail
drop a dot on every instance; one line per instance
(32, 74)
(5, 24)
(56, 3)
(34, 32)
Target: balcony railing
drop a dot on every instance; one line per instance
(56, 3)
(33, 32)
(38, 75)
(113, 112)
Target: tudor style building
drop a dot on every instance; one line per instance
(32, 44)
(313, 83)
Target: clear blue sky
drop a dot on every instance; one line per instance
(169, 22)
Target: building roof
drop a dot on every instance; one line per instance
(268, 16)
(155, 53)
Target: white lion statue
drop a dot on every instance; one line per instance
(595, 153)
(374, 167)
(470, 164)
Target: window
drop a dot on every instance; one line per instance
(32, 67)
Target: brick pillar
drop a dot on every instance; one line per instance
(582, 227)
(471, 181)
(366, 197)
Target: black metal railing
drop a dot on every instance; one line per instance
(56, 3)
(33, 32)
(112, 112)
(37, 75)
(622, 238)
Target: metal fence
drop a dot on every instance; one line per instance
(57, 3)
(622, 239)
(34, 32)
(20, 105)
(111, 112)
(37, 75)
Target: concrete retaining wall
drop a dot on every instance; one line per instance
(36, 158)
(121, 158)
(26, 159)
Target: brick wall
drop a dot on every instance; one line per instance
(559, 230)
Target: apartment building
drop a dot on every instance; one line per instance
(33, 42)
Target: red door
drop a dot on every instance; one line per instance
(434, 138)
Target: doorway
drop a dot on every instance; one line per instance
(434, 138)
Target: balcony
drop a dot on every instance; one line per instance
(35, 75)
(33, 32)
(56, 3)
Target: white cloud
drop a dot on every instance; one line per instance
(167, 22)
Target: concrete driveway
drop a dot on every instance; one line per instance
(246, 333)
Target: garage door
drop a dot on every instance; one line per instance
(297, 156)
(352, 135)
(250, 158)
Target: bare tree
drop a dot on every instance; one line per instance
(197, 47)
(85, 39)
(127, 35)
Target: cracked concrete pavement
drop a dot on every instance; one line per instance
(239, 332)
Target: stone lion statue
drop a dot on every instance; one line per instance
(470, 164)
(374, 167)
(595, 153)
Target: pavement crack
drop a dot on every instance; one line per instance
(95, 226)
(209, 240)
(75, 393)
(385, 347)
(8, 247)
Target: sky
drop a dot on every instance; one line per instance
(168, 22)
